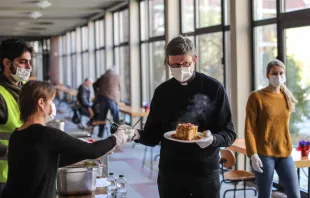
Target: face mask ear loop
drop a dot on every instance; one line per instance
(10, 68)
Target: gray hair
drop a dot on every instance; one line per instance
(180, 46)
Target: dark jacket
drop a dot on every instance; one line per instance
(84, 97)
(202, 102)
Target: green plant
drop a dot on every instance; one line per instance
(302, 94)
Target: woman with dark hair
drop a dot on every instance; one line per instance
(36, 150)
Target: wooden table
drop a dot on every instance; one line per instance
(67, 90)
(133, 112)
(300, 162)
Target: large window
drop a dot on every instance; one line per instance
(121, 52)
(206, 22)
(99, 45)
(152, 39)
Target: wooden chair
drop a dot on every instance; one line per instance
(228, 160)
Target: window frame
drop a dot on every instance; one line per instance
(149, 40)
(224, 28)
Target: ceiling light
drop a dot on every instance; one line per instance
(43, 4)
(35, 14)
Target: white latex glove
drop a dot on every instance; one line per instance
(257, 163)
(133, 134)
(121, 138)
(207, 141)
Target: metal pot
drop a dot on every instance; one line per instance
(58, 124)
(74, 181)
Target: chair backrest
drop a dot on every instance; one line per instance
(228, 158)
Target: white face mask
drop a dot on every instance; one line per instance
(52, 116)
(22, 74)
(181, 74)
(277, 80)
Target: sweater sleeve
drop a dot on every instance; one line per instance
(250, 125)
(151, 135)
(223, 128)
(75, 150)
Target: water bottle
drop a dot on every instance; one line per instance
(121, 191)
(111, 191)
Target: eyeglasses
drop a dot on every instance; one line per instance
(177, 65)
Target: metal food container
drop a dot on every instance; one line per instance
(58, 124)
(75, 181)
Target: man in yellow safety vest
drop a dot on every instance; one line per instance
(15, 68)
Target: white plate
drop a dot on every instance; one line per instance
(168, 136)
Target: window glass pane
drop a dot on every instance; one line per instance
(85, 38)
(79, 69)
(68, 71)
(211, 53)
(145, 73)
(187, 16)
(92, 66)
(124, 29)
(158, 66)
(265, 50)
(101, 33)
(125, 74)
(116, 28)
(157, 15)
(78, 40)
(292, 5)
(209, 13)
(117, 59)
(73, 41)
(85, 66)
(74, 71)
(144, 20)
(265, 9)
(91, 34)
(60, 70)
(97, 30)
(298, 81)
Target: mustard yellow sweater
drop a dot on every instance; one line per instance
(267, 125)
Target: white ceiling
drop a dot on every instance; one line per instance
(62, 15)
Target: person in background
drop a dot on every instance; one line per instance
(267, 136)
(187, 170)
(15, 66)
(40, 149)
(107, 89)
(83, 98)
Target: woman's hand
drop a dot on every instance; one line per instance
(121, 137)
(133, 134)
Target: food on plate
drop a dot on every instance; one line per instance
(84, 164)
(186, 131)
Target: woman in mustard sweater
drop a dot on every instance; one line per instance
(267, 136)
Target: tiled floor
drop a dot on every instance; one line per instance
(141, 179)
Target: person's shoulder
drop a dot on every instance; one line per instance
(210, 81)
(165, 85)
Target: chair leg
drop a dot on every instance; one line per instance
(151, 158)
(235, 189)
(244, 189)
(144, 155)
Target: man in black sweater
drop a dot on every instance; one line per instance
(188, 169)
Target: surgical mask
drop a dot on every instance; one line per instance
(181, 74)
(22, 74)
(52, 116)
(277, 80)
